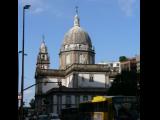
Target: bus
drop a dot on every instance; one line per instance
(109, 108)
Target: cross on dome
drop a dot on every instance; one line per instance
(76, 18)
(76, 10)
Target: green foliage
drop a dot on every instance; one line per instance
(122, 58)
(124, 84)
(32, 103)
(46, 102)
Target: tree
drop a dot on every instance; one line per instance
(124, 84)
(123, 58)
(45, 101)
(32, 103)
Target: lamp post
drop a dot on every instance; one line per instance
(19, 95)
(18, 76)
(59, 82)
(22, 78)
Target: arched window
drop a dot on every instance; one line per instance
(42, 56)
(68, 59)
(81, 58)
(45, 57)
(42, 66)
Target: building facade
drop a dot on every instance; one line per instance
(80, 78)
(116, 65)
(138, 63)
(131, 64)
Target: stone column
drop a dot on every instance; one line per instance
(106, 80)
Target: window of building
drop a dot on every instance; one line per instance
(45, 57)
(77, 100)
(81, 59)
(68, 59)
(42, 56)
(68, 99)
(66, 47)
(91, 78)
(41, 66)
(85, 98)
(117, 64)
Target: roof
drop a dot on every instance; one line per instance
(43, 47)
(73, 67)
(76, 35)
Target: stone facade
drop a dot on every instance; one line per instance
(80, 77)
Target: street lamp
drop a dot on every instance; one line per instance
(22, 79)
(18, 76)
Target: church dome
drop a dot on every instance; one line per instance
(76, 47)
(77, 35)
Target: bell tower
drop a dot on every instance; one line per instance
(43, 60)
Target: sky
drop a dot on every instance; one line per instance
(113, 26)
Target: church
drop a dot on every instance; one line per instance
(77, 79)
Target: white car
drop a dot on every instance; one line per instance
(53, 116)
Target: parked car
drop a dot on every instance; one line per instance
(53, 116)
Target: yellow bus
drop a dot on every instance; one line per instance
(109, 108)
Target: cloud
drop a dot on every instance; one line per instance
(38, 10)
(41, 6)
(127, 6)
(37, 6)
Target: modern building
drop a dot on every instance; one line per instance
(129, 65)
(80, 78)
